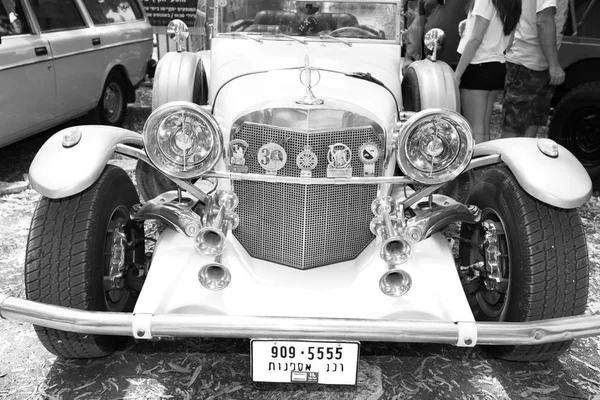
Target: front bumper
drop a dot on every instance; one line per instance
(145, 326)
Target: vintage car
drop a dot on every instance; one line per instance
(288, 198)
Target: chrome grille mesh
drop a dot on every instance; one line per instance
(304, 226)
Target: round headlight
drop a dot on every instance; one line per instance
(435, 146)
(182, 140)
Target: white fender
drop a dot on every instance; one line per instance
(561, 182)
(174, 78)
(437, 86)
(58, 171)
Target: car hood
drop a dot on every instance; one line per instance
(247, 75)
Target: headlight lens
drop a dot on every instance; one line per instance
(434, 146)
(182, 140)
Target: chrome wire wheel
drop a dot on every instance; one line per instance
(117, 257)
(488, 291)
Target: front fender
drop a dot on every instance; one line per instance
(58, 171)
(561, 182)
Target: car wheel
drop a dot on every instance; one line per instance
(576, 125)
(528, 261)
(151, 182)
(84, 252)
(411, 93)
(113, 103)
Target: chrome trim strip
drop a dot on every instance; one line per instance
(49, 58)
(190, 325)
(74, 53)
(236, 176)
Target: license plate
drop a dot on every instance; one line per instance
(293, 361)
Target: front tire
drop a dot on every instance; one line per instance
(541, 257)
(69, 259)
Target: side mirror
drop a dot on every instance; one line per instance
(178, 31)
(434, 41)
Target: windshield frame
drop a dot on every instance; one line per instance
(215, 27)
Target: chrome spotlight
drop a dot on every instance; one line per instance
(182, 140)
(434, 146)
(214, 276)
(434, 42)
(179, 32)
(395, 282)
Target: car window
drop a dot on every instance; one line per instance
(111, 11)
(12, 18)
(357, 20)
(57, 14)
(587, 15)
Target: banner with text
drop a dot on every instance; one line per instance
(161, 12)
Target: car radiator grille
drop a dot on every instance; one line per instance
(304, 226)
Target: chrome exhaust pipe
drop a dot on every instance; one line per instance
(214, 276)
(395, 282)
(212, 239)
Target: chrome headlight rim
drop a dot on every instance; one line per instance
(165, 162)
(459, 161)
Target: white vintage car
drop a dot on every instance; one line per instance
(289, 198)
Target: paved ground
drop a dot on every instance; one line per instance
(210, 369)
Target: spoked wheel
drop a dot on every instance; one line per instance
(84, 252)
(525, 261)
(487, 290)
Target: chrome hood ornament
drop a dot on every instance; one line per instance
(309, 77)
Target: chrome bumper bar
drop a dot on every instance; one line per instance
(184, 325)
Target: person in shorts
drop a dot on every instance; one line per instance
(486, 35)
(532, 67)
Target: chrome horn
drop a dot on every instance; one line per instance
(212, 239)
(388, 224)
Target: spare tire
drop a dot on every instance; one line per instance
(411, 93)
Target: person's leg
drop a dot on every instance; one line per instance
(474, 103)
(491, 99)
(517, 103)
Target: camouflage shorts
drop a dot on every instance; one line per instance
(527, 96)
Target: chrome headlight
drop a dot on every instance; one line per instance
(183, 140)
(434, 146)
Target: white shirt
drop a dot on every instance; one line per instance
(494, 41)
(526, 49)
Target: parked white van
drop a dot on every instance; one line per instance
(60, 59)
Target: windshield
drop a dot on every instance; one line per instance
(366, 20)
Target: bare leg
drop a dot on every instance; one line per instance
(474, 104)
(488, 112)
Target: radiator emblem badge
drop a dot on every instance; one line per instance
(339, 157)
(271, 157)
(237, 151)
(368, 154)
(306, 160)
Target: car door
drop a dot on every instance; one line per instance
(27, 85)
(78, 60)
